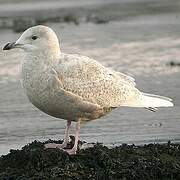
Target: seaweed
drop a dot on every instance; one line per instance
(125, 162)
(173, 64)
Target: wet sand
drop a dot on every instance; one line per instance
(141, 46)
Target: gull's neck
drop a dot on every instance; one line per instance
(36, 63)
(42, 58)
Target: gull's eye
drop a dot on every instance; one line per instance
(34, 37)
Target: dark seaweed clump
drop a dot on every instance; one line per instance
(126, 162)
(173, 64)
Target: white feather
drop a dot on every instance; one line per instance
(151, 100)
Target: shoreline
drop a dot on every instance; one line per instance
(22, 15)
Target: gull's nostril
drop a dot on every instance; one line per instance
(8, 46)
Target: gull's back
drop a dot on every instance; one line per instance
(95, 83)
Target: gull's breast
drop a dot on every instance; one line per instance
(46, 98)
(35, 84)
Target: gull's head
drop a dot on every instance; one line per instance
(37, 38)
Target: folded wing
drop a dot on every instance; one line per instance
(95, 83)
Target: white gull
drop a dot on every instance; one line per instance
(74, 87)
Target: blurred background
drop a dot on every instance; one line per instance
(138, 37)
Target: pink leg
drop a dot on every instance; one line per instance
(66, 136)
(74, 149)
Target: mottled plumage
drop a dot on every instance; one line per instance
(74, 87)
(95, 83)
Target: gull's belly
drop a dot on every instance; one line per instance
(51, 102)
(47, 94)
(54, 102)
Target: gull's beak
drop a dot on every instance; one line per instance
(9, 46)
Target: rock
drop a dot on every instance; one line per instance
(173, 63)
(126, 162)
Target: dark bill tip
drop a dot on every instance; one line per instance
(8, 46)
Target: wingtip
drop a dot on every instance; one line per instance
(172, 104)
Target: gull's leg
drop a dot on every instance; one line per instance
(74, 149)
(65, 141)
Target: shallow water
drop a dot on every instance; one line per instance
(140, 47)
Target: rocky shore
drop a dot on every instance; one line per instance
(126, 162)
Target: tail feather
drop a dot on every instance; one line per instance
(157, 96)
(151, 100)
